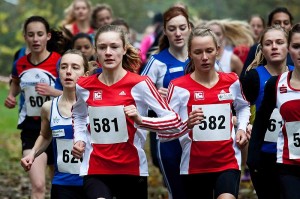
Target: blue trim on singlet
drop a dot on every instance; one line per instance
(264, 76)
(60, 178)
(171, 62)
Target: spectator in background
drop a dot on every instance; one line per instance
(150, 37)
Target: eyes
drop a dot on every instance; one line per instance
(201, 51)
(87, 47)
(39, 34)
(278, 42)
(174, 28)
(295, 46)
(105, 47)
(73, 66)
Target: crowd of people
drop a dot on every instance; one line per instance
(218, 100)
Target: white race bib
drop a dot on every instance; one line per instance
(216, 125)
(274, 126)
(108, 125)
(34, 101)
(58, 133)
(293, 135)
(66, 162)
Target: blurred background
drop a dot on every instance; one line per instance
(138, 14)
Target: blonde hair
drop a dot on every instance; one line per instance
(235, 31)
(131, 60)
(69, 11)
(259, 57)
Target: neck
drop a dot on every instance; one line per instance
(296, 74)
(277, 68)
(83, 25)
(110, 77)
(179, 53)
(208, 79)
(69, 95)
(37, 58)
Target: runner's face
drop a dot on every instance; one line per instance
(177, 30)
(85, 46)
(294, 49)
(36, 37)
(110, 50)
(203, 53)
(283, 20)
(71, 68)
(103, 18)
(256, 26)
(81, 11)
(274, 46)
(218, 32)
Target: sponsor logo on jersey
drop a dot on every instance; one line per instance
(97, 95)
(198, 95)
(283, 89)
(225, 96)
(122, 93)
(55, 120)
(58, 133)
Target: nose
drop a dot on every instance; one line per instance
(35, 37)
(108, 51)
(204, 56)
(178, 32)
(274, 45)
(69, 70)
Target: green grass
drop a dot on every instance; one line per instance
(10, 143)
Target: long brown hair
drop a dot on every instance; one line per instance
(168, 15)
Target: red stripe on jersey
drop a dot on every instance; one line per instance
(163, 126)
(156, 94)
(175, 135)
(171, 90)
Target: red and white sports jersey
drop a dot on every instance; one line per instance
(114, 144)
(29, 75)
(210, 146)
(288, 103)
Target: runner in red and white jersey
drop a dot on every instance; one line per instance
(114, 161)
(211, 150)
(282, 92)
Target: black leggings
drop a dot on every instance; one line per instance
(211, 185)
(119, 186)
(266, 179)
(289, 176)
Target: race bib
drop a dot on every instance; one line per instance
(275, 124)
(108, 125)
(66, 162)
(34, 101)
(293, 135)
(216, 123)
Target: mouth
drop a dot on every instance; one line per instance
(35, 46)
(68, 80)
(108, 60)
(275, 54)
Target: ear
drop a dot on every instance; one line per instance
(48, 36)
(218, 50)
